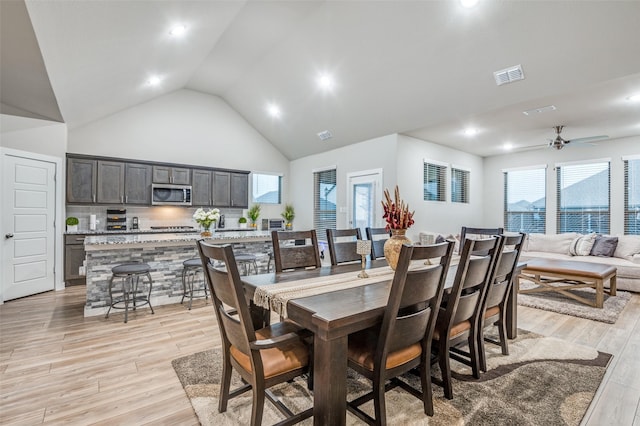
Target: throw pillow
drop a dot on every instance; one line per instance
(628, 246)
(439, 239)
(582, 245)
(604, 246)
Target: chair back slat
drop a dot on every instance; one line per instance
(341, 250)
(377, 236)
(467, 232)
(295, 249)
(506, 265)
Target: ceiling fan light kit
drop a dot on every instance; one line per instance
(559, 143)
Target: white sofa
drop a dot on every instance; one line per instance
(626, 257)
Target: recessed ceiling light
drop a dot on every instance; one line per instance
(508, 146)
(468, 3)
(154, 80)
(178, 30)
(470, 132)
(634, 98)
(273, 110)
(325, 82)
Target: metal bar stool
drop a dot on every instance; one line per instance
(130, 274)
(191, 268)
(246, 260)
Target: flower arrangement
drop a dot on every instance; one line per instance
(206, 218)
(396, 213)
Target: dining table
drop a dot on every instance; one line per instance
(332, 316)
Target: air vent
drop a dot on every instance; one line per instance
(540, 110)
(324, 135)
(509, 75)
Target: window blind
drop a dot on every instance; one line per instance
(632, 197)
(583, 197)
(434, 180)
(324, 196)
(459, 185)
(525, 200)
(267, 188)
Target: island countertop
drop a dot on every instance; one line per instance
(111, 241)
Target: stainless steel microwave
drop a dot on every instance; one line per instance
(172, 195)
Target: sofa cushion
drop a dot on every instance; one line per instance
(552, 243)
(604, 246)
(628, 245)
(582, 245)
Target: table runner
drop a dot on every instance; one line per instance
(276, 296)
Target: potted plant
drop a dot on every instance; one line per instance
(288, 215)
(72, 224)
(242, 222)
(254, 213)
(205, 219)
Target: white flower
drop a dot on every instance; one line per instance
(206, 218)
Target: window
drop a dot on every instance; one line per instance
(324, 196)
(632, 196)
(435, 176)
(459, 185)
(583, 197)
(267, 189)
(525, 200)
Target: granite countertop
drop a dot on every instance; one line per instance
(150, 231)
(97, 241)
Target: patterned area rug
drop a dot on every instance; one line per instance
(544, 381)
(556, 302)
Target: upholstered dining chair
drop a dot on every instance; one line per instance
(403, 341)
(377, 236)
(264, 357)
(295, 249)
(342, 251)
(466, 232)
(494, 311)
(459, 313)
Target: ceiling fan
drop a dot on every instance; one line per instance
(559, 143)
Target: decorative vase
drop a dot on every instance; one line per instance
(206, 231)
(243, 225)
(393, 245)
(288, 226)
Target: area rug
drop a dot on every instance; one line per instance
(557, 302)
(544, 381)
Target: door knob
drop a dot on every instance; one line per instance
(8, 236)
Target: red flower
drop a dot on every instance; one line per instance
(396, 213)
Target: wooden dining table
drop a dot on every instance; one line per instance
(332, 316)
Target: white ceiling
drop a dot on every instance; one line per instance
(422, 68)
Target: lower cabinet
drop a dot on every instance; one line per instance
(74, 256)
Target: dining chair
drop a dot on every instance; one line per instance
(485, 232)
(342, 251)
(403, 341)
(264, 357)
(497, 295)
(377, 236)
(295, 249)
(459, 313)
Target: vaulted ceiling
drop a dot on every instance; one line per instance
(422, 68)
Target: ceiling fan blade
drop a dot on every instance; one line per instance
(589, 139)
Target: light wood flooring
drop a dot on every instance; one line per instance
(58, 367)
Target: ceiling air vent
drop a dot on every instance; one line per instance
(324, 135)
(509, 75)
(540, 110)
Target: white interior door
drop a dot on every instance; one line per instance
(28, 232)
(365, 194)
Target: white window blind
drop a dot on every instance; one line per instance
(324, 196)
(267, 189)
(632, 197)
(583, 197)
(434, 181)
(525, 200)
(459, 185)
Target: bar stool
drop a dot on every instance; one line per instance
(190, 269)
(246, 260)
(130, 274)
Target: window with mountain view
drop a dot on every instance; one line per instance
(632, 196)
(524, 200)
(583, 197)
(267, 189)
(324, 196)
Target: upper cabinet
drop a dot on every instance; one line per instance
(230, 189)
(239, 190)
(173, 175)
(110, 182)
(201, 192)
(221, 189)
(81, 180)
(137, 184)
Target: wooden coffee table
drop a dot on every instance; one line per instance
(547, 272)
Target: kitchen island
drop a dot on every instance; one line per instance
(164, 252)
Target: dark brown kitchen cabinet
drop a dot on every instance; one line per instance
(137, 184)
(173, 175)
(201, 192)
(221, 189)
(239, 192)
(81, 180)
(110, 182)
(74, 256)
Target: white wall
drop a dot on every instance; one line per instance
(33, 135)
(433, 216)
(186, 127)
(613, 149)
(367, 155)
